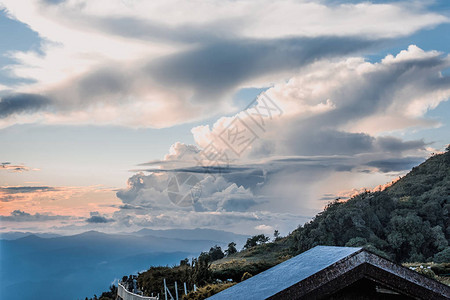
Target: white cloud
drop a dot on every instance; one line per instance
(351, 103)
(151, 64)
(264, 228)
(322, 143)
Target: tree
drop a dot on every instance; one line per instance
(276, 235)
(184, 262)
(216, 253)
(201, 273)
(256, 240)
(443, 256)
(231, 248)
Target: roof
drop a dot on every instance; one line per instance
(287, 273)
(324, 270)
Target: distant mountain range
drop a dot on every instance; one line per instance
(14, 235)
(220, 236)
(70, 267)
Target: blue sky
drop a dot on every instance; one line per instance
(92, 90)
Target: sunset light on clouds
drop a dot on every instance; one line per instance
(103, 102)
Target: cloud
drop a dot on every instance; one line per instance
(15, 168)
(22, 103)
(142, 64)
(97, 218)
(63, 201)
(113, 94)
(346, 107)
(22, 216)
(13, 193)
(230, 221)
(265, 228)
(319, 143)
(396, 164)
(111, 63)
(26, 189)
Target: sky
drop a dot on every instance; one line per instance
(246, 116)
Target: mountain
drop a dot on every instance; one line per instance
(220, 236)
(71, 267)
(408, 221)
(14, 235)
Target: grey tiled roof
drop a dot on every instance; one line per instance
(286, 274)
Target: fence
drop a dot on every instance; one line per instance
(127, 295)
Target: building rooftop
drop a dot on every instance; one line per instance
(325, 270)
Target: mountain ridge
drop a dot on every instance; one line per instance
(70, 260)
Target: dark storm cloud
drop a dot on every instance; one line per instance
(392, 144)
(396, 164)
(22, 103)
(329, 142)
(211, 70)
(97, 218)
(217, 68)
(241, 205)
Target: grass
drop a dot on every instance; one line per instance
(439, 272)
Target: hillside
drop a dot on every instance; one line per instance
(407, 222)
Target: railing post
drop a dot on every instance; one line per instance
(176, 290)
(165, 289)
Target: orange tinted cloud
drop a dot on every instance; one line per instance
(68, 201)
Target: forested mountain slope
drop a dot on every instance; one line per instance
(408, 221)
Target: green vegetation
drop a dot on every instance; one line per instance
(440, 272)
(231, 249)
(197, 272)
(255, 241)
(407, 222)
(207, 291)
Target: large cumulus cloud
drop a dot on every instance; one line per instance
(141, 63)
(325, 141)
(345, 107)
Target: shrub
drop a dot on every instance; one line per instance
(207, 291)
(246, 276)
